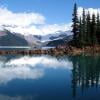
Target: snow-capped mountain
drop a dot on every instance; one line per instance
(33, 40)
(10, 38)
(58, 38)
(60, 41)
(49, 40)
(55, 36)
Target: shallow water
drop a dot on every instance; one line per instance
(46, 77)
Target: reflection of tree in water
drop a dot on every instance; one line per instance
(85, 73)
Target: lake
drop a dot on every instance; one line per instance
(8, 48)
(45, 77)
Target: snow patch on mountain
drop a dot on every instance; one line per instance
(56, 36)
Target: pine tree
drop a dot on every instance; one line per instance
(93, 30)
(84, 28)
(88, 31)
(75, 29)
(80, 37)
(98, 28)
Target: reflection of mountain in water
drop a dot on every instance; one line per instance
(86, 72)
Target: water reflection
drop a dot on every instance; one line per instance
(49, 78)
(29, 67)
(85, 73)
(29, 97)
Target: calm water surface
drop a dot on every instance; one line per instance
(49, 78)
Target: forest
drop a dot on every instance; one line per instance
(85, 28)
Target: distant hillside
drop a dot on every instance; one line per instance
(9, 39)
(33, 41)
(55, 36)
(59, 41)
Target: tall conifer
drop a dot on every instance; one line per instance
(75, 29)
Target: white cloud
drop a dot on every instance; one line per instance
(91, 10)
(23, 19)
(34, 23)
(40, 30)
(28, 23)
(34, 30)
(47, 29)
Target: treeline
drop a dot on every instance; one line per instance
(86, 28)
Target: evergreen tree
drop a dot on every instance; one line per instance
(80, 37)
(75, 29)
(88, 31)
(83, 28)
(93, 30)
(98, 28)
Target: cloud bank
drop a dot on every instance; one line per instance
(91, 10)
(34, 23)
(24, 19)
(28, 23)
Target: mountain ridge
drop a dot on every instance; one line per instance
(8, 38)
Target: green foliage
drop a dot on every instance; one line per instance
(80, 33)
(75, 29)
(98, 29)
(86, 30)
(93, 30)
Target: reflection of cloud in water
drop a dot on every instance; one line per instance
(30, 67)
(5, 97)
(22, 72)
(43, 61)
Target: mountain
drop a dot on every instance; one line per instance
(48, 40)
(58, 38)
(54, 39)
(55, 36)
(9, 39)
(33, 41)
(60, 41)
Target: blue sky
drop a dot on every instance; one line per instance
(55, 11)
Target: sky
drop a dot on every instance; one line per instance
(41, 16)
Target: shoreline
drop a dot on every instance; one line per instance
(56, 51)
